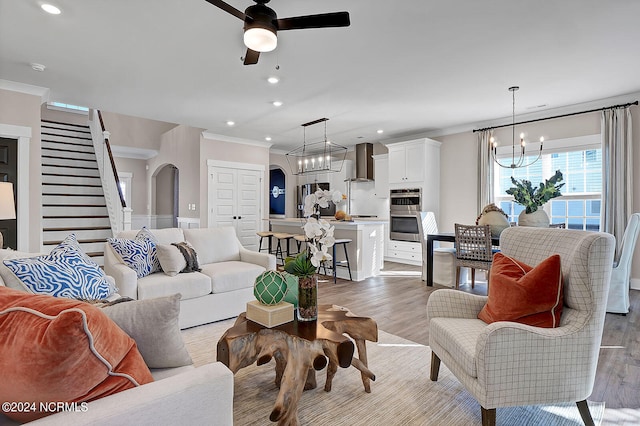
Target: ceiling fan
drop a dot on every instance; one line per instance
(261, 24)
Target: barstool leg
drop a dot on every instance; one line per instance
(279, 252)
(346, 256)
(334, 264)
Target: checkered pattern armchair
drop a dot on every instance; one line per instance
(508, 364)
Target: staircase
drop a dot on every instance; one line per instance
(72, 197)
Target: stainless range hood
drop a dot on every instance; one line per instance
(364, 163)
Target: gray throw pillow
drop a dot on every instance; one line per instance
(153, 324)
(171, 260)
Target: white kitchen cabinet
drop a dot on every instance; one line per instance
(405, 252)
(412, 163)
(381, 174)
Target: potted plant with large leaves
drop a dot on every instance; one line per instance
(531, 198)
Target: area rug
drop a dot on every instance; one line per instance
(401, 395)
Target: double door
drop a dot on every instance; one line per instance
(235, 199)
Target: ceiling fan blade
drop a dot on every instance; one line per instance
(335, 19)
(228, 8)
(251, 57)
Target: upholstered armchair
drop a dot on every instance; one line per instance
(509, 364)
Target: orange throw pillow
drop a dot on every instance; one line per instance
(523, 294)
(61, 350)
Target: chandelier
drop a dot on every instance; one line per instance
(318, 157)
(520, 161)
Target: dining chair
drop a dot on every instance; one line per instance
(618, 301)
(473, 250)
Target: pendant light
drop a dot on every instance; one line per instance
(318, 157)
(520, 161)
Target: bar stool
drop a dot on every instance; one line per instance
(263, 235)
(299, 240)
(282, 236)
(343, 263)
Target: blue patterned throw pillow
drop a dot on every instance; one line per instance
(139, 254)
(66, 272)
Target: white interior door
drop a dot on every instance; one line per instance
(248, 207)
(235, 199)
(223, 183)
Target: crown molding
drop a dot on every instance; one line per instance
(231, 139)
(29, 89)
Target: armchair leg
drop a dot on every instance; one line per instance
(435, 366)
(488, 416)
(457, 277)
(585, 413)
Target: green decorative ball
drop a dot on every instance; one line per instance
(270, 287)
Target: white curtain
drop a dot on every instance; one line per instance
(617, 172)
(485, 169)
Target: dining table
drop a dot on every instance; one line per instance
(446, 237)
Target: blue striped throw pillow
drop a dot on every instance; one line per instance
(66, 272)
(139, 254)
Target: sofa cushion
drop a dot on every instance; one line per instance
(65, 272)
(60, 350)
(139, 254)
(230, 276)
(153, 324)
(214, 244)
(188, 285)
(524, 294)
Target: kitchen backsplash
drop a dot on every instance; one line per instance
(365, 202)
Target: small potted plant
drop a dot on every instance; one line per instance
(531, 198)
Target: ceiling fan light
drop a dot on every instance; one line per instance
(260, 39)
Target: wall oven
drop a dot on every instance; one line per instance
(405, 206)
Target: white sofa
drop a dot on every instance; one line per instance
(184, 395)
(221, 290)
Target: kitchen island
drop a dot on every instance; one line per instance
(366, 250)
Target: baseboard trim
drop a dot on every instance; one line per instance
(634, 283)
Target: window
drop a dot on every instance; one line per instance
(68, 107)
(125, 186)
(580, 161)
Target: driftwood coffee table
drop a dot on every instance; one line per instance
(299, 349)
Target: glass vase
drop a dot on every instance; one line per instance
(308, 298)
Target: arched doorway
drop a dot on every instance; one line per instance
(277, 192)
(166, 181)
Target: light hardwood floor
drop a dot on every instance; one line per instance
(397, 300)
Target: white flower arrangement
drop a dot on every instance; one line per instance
(319, 232)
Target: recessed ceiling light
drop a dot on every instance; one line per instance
(380, 131)
(49, 8)
(277, 103)
(37, 67)
(268, 138)
(273, 80)
(231, 123)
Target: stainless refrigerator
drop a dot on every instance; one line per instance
(309, 188)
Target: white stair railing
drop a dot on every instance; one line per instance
(119, 213)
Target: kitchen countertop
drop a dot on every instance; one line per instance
(357, 222)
